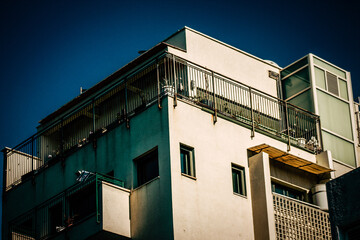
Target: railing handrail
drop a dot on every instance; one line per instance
(121, 80)
(90, 180)
(262, 104)
(104, 91)
(245, 85)
(296, 200)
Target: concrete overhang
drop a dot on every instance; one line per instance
(290, 159)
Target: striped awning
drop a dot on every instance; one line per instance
(290, 159)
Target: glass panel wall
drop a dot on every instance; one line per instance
(343, 89)
(334, 110)
(293, 67)
(296, 83)
(329, 68)
(335, 114)
(341, 150)
(303, 101)
(320, 78)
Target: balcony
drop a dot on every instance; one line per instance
(100, 205)
(298, 220)
(166, 75)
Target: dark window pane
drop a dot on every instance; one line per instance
(238, 177)
(332, 83)
(55, 216)
(289, 192)
(81, 204)
(147, 167)
(187, 160)
(304, 100)
(293, 67)
(296, 83)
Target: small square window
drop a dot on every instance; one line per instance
(238, 177)
(147, 166)
(187, 160)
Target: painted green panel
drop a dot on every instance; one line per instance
(320, 78)
(334, 114)
(295, 83)
(329, 68)
(340, 149)
(304, 101)
(343, 89)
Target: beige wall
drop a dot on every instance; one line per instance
(116, 209)
(207, 208)
(228, 61)
(262, 199)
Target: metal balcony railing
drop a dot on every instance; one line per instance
(298, 220)
(244, 104)
(62, 211)
(140, 88)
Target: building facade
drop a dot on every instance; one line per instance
(194, 139)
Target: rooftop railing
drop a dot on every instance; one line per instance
(298, 220)
(62, 211)
(165, 75)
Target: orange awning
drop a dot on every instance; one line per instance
(289, 159)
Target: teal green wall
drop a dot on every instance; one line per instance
(115, 150)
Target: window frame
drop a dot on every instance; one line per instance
(240, 187)
(290, 191)
(188, 166)
(140, 166)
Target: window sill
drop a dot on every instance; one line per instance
(191, 177)
(240, 195)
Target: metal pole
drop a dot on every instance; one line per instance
(32, 153)
(214, 96)
(126, 106)
(321, 139)
(175, 85)
(287, 125)
(97, 198)
(252, 115)
(62, 138)
(158, 83)
(93, 110)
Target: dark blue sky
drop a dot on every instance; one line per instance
(49, 49)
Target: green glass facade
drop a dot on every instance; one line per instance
(296, 83)
(312, 80)
(302, 101)
(329, 68)
(320, 78)
(335, 114)
(341, 150)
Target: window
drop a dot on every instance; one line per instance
(187, 160)
(55, 217)
(82, 203)
(343, 89)
(287, 191)
(238, 177)
(332, 83)
(147, 166)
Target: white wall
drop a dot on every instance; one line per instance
(228, 61)
(207, 208)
